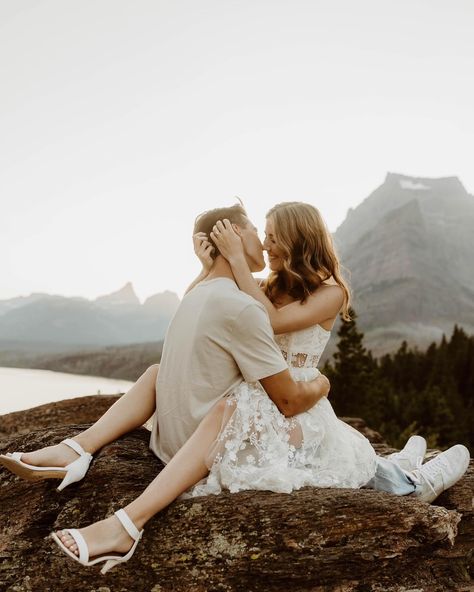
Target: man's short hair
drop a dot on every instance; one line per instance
(205, 222)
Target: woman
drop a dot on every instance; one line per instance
(304, 295)
(257, 448)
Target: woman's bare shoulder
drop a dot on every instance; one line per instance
(329, 290)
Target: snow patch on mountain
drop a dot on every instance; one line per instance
(409, 184)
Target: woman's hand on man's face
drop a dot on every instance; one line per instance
(227, 240)
(203, 249)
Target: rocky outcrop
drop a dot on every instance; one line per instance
(319, 540)
(79, 410)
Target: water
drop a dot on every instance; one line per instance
(23, 388)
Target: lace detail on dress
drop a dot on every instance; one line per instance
(259, 448)
(303, 349)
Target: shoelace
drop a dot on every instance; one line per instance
(428, 472)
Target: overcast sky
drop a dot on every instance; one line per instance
(121, 120)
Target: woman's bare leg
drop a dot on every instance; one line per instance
(186, 468)
(129, 412)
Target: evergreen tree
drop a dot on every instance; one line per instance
(353, 367)
(430, 393)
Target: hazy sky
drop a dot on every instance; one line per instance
(122, 120)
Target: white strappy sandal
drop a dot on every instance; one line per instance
(71, 473)
(110, 559)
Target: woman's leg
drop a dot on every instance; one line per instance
(186, 468)
(129, 412)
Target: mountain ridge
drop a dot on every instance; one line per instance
(114, 319)
(408, 247)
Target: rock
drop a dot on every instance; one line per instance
(78, 410)
(318, 540)
(360, 425)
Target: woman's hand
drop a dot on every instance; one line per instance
(227, 240)
(203, 249)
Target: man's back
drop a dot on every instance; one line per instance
(218, 337)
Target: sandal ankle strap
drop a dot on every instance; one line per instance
(75, 446)
(128, 524)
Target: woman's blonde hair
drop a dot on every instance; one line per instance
(309, 257)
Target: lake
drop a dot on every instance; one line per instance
(22, 388)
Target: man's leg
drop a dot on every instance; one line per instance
(130, 411)
(426, 481)
(187, 467)
(391, 478)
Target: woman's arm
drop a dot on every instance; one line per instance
(321, 306)
(203, 249)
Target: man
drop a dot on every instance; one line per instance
(220, 337)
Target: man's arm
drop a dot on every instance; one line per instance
(293, 397)
(260, 359)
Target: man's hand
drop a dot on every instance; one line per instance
(323, 384)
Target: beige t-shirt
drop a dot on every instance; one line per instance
(218, 338)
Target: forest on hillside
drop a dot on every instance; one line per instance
(430, 393)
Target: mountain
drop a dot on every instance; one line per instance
(408, 248)
(61, 323)
(166, 303)
(19, 301)
(124, 297)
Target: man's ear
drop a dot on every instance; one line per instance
(237, 229)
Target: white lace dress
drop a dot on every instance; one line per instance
(258, 448)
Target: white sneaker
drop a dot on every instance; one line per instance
(411, 455)
(441, 472)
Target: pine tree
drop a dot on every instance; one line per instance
(430, 393)
(353, 368)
